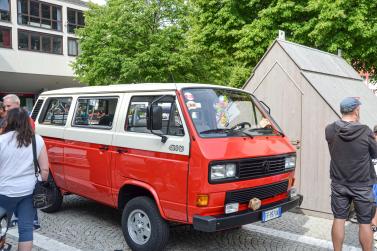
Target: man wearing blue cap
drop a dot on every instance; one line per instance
(352, 147)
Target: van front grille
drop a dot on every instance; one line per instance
(262, 192)
(37, 108)
(260, 167)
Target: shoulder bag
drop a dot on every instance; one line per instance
(43, 192)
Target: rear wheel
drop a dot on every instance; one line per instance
(143, 227)
(57, 197)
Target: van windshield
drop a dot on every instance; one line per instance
(226, 113)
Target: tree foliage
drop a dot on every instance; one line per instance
(135, 41)
(215, 41)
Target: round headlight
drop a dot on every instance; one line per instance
(3, 226)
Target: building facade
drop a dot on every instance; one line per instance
(37, 46)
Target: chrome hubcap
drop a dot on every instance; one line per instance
(139, 226)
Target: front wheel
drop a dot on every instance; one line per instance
(143, 227)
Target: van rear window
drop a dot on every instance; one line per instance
(56, 111)
(95, 112)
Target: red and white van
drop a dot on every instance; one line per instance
(204, 155)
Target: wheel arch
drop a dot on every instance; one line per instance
(132, 189)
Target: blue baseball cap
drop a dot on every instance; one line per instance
(349, 104)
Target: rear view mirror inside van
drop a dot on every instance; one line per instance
(154, 117)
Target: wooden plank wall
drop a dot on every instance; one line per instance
(316, 114)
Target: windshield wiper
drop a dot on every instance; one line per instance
(226, 130)
(260, 129)
(217, 130)
(267, 130)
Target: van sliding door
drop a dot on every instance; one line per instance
(87, 151)
(51, 124)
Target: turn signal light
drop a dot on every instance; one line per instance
(202, 200)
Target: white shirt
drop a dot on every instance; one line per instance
(17, 173)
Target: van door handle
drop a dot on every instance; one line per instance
(104, 148)
(120, 150)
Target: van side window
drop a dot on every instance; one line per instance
(95, 112)
(137, 115)
(56, 111)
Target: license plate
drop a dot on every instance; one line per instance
(271, 214)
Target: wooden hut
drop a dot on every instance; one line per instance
(303, 87)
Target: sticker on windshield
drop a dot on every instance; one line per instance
(221, 115)
(226, 111)
(265, 123)
(191, 105)
(189, 96)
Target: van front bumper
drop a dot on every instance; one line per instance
(221, 222)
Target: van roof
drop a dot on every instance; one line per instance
(128, 88)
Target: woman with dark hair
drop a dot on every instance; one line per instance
(17, 173)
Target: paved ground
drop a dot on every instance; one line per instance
(87, 225)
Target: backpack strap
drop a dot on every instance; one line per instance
(35, 159)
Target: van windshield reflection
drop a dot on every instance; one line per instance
(219, 112)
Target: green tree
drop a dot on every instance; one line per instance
(129, 41)
(239, 32)
(215, 41)
(215, 32)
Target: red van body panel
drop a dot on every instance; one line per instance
(55, 151)
(163, 174)
(205, 151)
(87, 168)
(145, 186)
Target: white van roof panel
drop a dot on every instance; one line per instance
(128, 88)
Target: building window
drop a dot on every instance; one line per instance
(73, 47)
(39, 14)
(5, 37)
(4, 10)
(35, 41)
(95, 112)
(75, 19)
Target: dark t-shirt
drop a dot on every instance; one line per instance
(352, 147)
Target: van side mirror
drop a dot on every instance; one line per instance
(154, 117)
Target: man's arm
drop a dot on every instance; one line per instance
(372, 145)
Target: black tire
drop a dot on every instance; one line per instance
(159, 229)
(58, 197)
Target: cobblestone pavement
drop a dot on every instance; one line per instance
(87, 225)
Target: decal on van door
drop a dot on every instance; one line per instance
(176, 148)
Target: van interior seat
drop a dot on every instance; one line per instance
(106, 120)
